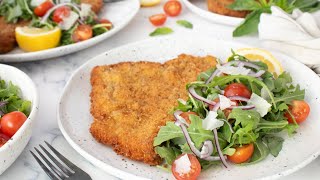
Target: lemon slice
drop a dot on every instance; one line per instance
(148, 3)
(36, 39)
(255, 54)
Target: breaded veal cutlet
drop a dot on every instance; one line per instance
(130, 101)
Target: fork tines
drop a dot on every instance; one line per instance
(52, 166)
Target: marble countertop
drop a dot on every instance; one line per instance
(50, 76)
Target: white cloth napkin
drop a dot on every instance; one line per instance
(296, 34)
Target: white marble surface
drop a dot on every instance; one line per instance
(50, 76)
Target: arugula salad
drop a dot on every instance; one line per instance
(13, 110)
(44, 24)
(234, 114)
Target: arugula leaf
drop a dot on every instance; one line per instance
(10, 94)
(247, 118)
(245, 5)
(66, 37)
(274, 144)
(161, 31)
(185, 24)
(167, 132)
(246, 122)
(169, 154)
(250, 24)
(261, 151)
(270, 126)
(289, 96)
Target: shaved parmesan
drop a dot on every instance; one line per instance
(225, 102)
(233, 70)
(211, 122)
(261, 105)
(69, 21)
(183, 165)
(85, 10)
(35, 3)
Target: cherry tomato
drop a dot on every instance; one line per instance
(3, 139)
(185, 115)
(83, 32)
(106, 21)
(237, 89)
(242, 154)
(11, 122)
(42, 9)
(60, 13)
(172, 8)
(158, 19)
(192, 174)
(300, 111)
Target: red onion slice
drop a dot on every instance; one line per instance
(213, 158)
(238, 98)
(247, 107)
(189, 141)
(214, 74)
(47, 15)
(257, 74)
(194, 94)
(207, 149)
(179, 119)
(216, 140)
(216, 107)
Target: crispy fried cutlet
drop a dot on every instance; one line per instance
(221, 7)
(130, 101)
(7, 34)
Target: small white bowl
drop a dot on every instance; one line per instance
(13, 148)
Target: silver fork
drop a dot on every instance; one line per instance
(56, 170)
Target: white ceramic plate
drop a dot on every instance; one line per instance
(200, 7)
(120, 14)
(74, 116)
(13, 148)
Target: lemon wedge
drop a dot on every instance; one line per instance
(148, 3)
(36, 39)
(256, 54)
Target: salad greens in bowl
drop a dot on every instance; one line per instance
(18, 108)
(236, 113)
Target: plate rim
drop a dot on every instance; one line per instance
(211, 16)
(123, 174)
(42, 55)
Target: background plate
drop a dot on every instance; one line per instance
(119, 13)
(74, 116)
(200, 7)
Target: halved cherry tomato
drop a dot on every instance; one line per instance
(42, 9)
(3, 139)
(172, 7)
(242, 154)
(237, 89)
(185, 115)
(11, 122)
(192, 174)
(106, 21)
(300, 111)
(60, 13)
(158, 19)
(83, 32)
